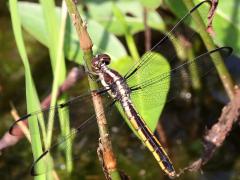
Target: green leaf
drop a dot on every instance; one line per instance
(33, 22)
(33, 103)
(133, 11)
(150, 101)
(226, 22)
(128, 36)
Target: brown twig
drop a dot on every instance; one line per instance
(9, 140)
(21, 125)
(147, 32)
(210, 17)
(106, 153)
(161, 134)
(215, 137)
(86, 45)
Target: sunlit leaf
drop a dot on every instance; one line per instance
(33, 22)
(133, 11)
(150, 102)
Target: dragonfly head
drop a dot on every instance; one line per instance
(99, 61)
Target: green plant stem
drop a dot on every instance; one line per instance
(60, 65)
(57, 59)
(128, 36)
(86, 46)
(216, 57)
(31, 94)
(147, 32)
(196, 83)
(55, 44)
(185, 52)
(132, 47)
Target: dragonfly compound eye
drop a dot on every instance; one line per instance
(104, 58)
(99, 60)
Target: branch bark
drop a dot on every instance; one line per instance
(215, 136)
(86, 45)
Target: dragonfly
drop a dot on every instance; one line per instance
(124, 90)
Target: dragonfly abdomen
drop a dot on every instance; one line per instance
(148, 138)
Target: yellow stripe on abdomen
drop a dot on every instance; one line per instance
(150, 141)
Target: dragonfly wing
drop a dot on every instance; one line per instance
(142, 96)
(152, 93)
(62, 142)
(146, 72)
(79, 108)
(77, 134)
(45, 111)
(171, 45)
(152, 65)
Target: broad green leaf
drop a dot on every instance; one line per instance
(33, 22)
(226, 22)
(133, 11)
(150, 101)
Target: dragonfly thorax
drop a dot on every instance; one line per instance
(110, 79)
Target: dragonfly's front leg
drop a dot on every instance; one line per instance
(94, 76)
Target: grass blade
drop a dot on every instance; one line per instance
(31, 94)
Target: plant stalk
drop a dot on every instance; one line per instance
(86, 45)
(31, 93)
(216, 57)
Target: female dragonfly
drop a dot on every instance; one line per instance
(123, 89)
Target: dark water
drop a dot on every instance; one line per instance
(184, 123)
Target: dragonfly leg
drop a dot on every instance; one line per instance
(92, 75)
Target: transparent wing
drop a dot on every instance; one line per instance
(150, 77)
(15, 130)
(61, 143)
(150, 94)
(79, 108)
(170, 46)
(65, 143)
